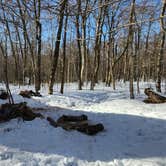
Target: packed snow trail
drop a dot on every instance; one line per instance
(135, 132)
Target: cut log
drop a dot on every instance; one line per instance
(70, 118)
(3, 94)
(78, 123)
(73, 126)
(154, 97)
(11, 111)
(67, 125)
(52, 122)
(29, 94)
(91, 129)
(3, 118)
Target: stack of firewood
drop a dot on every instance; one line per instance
(21, 110)
(79, 123)
(29, 94)
(154, 97)
(3, 94)
(11, 111)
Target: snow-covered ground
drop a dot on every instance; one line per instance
(135, 132)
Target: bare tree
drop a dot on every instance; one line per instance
(57, 45)
(37, 10)
(64, 54)
(5, 55)
(161, 52)
(112, 41)
(130, 39)
(97, 45)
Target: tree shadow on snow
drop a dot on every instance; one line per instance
(125, 136)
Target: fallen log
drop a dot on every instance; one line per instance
(153, 97)
(67, 125)
(70, 118)
(91, 129)
(3, 118)
(3, 94)
(78, 123)
(52, 122)
(11, 111)
(29, 94)
(73, 126)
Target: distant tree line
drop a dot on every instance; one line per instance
(51, 41)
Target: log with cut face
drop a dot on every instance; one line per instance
(154, 97)
(11, 111)
(79, 123)
(3, 94)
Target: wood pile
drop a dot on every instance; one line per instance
(3, 94)
(67, 122)
(79, 123)
(154, 97)
(29, 94)
(11, 111)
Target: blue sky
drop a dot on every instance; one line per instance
(49, 32)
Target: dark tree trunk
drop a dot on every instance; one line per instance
(57, 45)
(64, 56)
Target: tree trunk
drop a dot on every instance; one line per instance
(131, 60)
(57, 45)
(64, 56)
(97, 46)
(160, 55)
(5, 68)
(79, 38)
(37, 8)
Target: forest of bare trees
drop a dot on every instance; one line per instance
(84, 41)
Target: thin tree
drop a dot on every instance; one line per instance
(37, 11)
(130, 39)
(64, 54)
(97, 45)
(57, 46)
(5, 55)
(161, 52)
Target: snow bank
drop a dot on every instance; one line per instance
(135, 132)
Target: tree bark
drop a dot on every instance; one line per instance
(131, 60)
(160, 55)
(57, 45)
(97, 46)
(37, 8)
(64, 56)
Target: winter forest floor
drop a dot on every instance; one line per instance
(134, 135)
